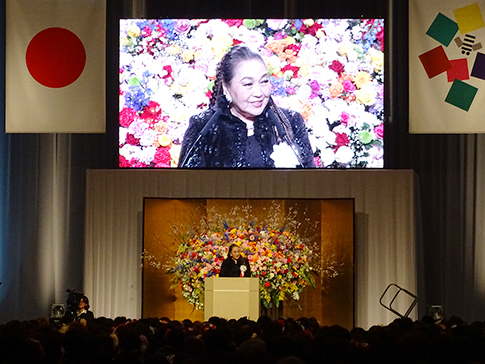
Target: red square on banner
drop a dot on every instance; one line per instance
(458, 70)
(435, 61)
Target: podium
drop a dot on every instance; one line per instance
(231, 298)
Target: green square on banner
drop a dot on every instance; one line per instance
(443, 29)
(461, 94)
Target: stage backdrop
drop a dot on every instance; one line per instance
(386, 232)
(325, 226)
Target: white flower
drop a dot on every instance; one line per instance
(276, 24)
(284, 156)
(344, 155)
(148, 137)
(327, 156)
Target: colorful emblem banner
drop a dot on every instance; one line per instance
(446, 66)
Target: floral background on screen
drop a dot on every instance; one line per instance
(329, 70)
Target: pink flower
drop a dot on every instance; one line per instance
(162, 157)
(182, 26)
(318, 162)
(348, 86)
(146, 32)
(233, 22)
(123, 162)
(315, 86)
(344, 118)
(127, 115)
(379, 131)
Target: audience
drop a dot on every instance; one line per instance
(243, 341)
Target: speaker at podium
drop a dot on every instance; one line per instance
(231, 298)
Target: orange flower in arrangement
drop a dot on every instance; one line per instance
(306, 111)
(277, 46)
(336, 89)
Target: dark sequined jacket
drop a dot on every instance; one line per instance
(217, 139)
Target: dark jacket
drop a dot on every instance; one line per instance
(218, 139)
(88, 316)
(230, 268)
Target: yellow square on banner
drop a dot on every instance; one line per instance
(469, 18)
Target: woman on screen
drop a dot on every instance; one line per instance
(243, 127)
(235, 265)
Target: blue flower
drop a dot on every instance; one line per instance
(278, 87)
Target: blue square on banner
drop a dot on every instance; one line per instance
(443, 29)
(461, 95)
(478, 69)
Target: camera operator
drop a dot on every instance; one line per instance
(83, 310)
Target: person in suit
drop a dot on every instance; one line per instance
(83, 310)
(235, 265)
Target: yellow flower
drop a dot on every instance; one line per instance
(308, 22)
(320, 33)
(220, 43)
(290, 40)
(345, 48)
(164, 140)
(174, 49)
(188, 56)
(366, 95)
(304, 70)
(377, 60)
(134, 31)
(361, 79)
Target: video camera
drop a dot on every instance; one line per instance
(73, 299)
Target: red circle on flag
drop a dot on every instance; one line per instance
(55, 57)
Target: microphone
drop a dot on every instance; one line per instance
(202, 132)
(279, 128)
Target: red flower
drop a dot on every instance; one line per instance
(127, 115)
(294, 47)
(290, 68)
(167, 68)
(341, 139)
(151, 112)
(130, 139)
(162, 157)
(311, 30)
(267, 284)
(336, 66)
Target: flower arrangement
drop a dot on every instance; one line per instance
(329, 70)
(277, 257)
(283, 260)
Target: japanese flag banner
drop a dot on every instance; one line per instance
(446, 66)
(55, 66)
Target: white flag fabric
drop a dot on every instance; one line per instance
(55, 66)
(446, 66)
